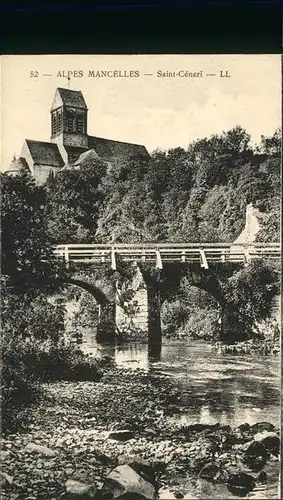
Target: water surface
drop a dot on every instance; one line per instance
(220, 387)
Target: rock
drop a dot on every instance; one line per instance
(150, 432)
(125, 482)
(159, 465)
(165, 494)
(240, 484)
(41, 450)
(178, 494)
(5, 479)
(77, 488)
(144, 469)
(262, 426)
(241, 434)
(4, 454)
(270, 441)
(121, 435)
(69, 471)
(261, 477)
(209, 471)
(255, 456)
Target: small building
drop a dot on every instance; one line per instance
(70, 145)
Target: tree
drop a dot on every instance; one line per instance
(250, 292)
(73, 202)
(27, 258)
(271, 145)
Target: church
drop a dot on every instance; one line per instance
(70, 145)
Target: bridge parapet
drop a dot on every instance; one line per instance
(202, 253)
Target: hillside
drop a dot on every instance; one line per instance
(197, 194)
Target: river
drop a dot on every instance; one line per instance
(230, 389)
(225, 388)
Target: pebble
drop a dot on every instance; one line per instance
(78, 444)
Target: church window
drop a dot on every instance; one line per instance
(54, 124)
(70, 124)
(59, 122)
(80, 124)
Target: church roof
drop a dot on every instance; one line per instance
(90, 153)
(18, 164)
(107, 148)
(72, 98)
(45, 153)
(74, 152)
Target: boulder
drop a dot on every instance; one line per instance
(124, 482)
(255, 456)
(159, 465)
(144, 469)
(121, 435)
(5, 479)
(261, 477)
(241, 434)
(79, 489)
(209, 471)
(262, 426)
(240, 484)
(39, 449)
(270, 441)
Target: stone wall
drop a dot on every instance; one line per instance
(138, 305)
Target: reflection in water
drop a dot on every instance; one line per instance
(213, 387)
(154, 352)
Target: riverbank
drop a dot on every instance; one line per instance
(73, 423)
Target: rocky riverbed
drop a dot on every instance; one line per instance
(100, 440)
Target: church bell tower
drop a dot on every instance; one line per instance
(69, 119)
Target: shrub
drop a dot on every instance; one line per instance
(174, 315)
(34, 350)
(203, 324)
(20, 389)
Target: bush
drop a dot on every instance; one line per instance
(34, 351)
(29, 362)
(203, 324)
(20, 389)
(174, 315)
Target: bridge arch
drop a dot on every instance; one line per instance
(106, 328)
(98, 294)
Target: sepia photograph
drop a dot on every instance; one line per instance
(141, 277)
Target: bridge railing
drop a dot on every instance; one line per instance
(203, 253)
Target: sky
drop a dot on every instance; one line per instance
(159, 112)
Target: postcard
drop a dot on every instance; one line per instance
(141, 276)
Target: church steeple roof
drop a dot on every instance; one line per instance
(67, 97)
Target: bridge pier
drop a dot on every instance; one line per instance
(106, 328)
(154, 321)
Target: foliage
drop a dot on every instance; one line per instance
(250, 291)
(20, 387)
(25, 316)
(27, 362)
(73, 201)
(194, 194)
(270, 226)
(203, 324)
(27, 261)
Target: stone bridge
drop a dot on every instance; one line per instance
(134, 278)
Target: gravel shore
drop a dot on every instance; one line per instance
(69, 437)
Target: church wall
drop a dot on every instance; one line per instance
(25, 153)
(73, 139)
(42, 172)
